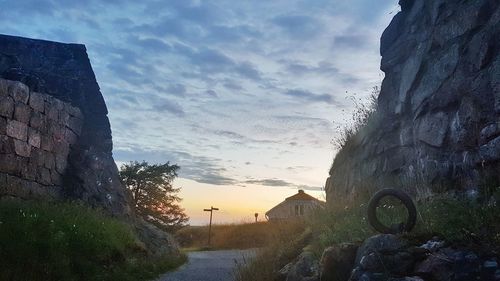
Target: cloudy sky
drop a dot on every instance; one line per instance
(244, 95)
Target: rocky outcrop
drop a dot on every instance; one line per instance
(57, 87)
(437, 126)
(387, 257)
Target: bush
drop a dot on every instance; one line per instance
(64, 241)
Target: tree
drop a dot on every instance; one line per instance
(153, 196)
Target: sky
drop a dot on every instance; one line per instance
(245, 96)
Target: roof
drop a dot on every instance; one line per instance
(301, 195)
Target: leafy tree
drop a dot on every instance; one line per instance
(152, 193)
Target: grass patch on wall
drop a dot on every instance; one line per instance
(65, 241)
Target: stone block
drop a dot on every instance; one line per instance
(75, 124)
(47, 143)
(19, 92)
(6, 107)
(8, 163)
(3, 126)
(70, 136)
(22, 113)
(14, 186)
(6, 145)
(49, 160)
(64, 118)
(29, 171)
(55, 177)
(37, 121)
(4, 87)
(17, 130)
(43, 176)
(37, 156)
(74, 111)
(61, 163)
(37, 102)
(51, 112)
(22, 148)
(34, 138)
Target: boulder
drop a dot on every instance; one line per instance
(337, 261)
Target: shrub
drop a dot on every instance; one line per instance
(65, 241)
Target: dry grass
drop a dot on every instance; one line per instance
(233, 236)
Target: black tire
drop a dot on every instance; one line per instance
(407, 202)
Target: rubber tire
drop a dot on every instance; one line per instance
(407, 202)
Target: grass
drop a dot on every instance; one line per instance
(285, 244)
(65, 241)
(230, 236)
(460, 222)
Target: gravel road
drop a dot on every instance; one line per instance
(210, 266)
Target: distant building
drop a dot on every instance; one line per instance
(298, 205)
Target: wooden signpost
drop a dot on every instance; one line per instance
(210, 225)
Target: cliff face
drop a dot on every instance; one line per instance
(437, 125)
(57, 138)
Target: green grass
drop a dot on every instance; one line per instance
(64, 241)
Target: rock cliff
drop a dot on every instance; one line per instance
(437, 125)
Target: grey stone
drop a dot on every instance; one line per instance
(49, 160)
(37, 121)
(34, 138)
(17, 130)
(305, 268)
(22, 148)
(75, 124)
(22, 113)
(381, 244)
(6, 106)
(37, 102)
(19, 91)
(51, 112)
(3, 126)
(47, 143)
(337, 262)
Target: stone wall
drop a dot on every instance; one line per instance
(63, 75)
(36, 135)
(437, 128)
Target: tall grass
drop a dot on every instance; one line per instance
(363, 114)
(287, 242)
(233, 236)
(64, 241)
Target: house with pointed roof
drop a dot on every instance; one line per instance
(296, 206)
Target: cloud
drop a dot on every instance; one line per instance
(269, 182)
(298, 26)
(353, 41)
(165, 105)
(308, 96)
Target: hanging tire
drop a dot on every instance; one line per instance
(394, 229)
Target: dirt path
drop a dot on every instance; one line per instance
(210, 266)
